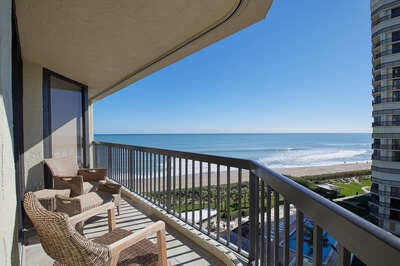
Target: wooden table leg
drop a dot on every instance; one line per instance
(111, 219)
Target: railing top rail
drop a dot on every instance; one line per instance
(345, 226)
(221, 160)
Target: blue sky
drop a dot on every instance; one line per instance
(305, 68)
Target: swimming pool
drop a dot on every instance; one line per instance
(329, 242)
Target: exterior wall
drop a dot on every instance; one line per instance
(7, 171)
(91, 134)
(385, 161)
(33, 126)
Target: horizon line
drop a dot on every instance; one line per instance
(229, 132)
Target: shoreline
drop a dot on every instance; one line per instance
(322, 170)
(294, 172)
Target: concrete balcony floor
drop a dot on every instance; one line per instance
(180, 250)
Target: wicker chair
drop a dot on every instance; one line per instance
(66, 246)
(67, 175)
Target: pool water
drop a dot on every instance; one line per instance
(329, 242)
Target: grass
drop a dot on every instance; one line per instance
(324, 177)
(353, 188)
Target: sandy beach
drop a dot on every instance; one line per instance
(293, 172)
(329, 169)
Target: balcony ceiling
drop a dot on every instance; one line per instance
(108, 45)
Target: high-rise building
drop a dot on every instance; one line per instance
(385, 190)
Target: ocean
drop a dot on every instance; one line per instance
(273, 150)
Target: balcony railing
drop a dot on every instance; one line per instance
(376, 20)
(386, 124)
(386, 100)
(182, 182)
(385, 158)
(393, 147)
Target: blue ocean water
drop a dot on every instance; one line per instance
(272, 150)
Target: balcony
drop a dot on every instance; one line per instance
(252, 211)
(180, 249)
(393, 147)
(386, 124)
(386, 100)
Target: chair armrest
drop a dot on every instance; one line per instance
(70, 206)
(93, 174)
(109, 188)
(75, 183)
(90, 213)
(118, 246)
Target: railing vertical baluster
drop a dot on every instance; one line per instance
(151, 176)
(143, 172)
(186, 189)
(140, 172)
(135, 170)
(180, 187)
(262, 212)
(155, 177)
(174, 185)
(201, 194)
(130, 170)
(276, 228)
(109, 163)
(147, 174)
(164, 169)
(299, 237)
(159, 180)
(193, 192)
(208, 198)
(168, 184)
(228, 205)
(239, 239)
(253, 233)
(218, 201)
(317, 245)
(286, 216)
(344, 256)
(269, 226)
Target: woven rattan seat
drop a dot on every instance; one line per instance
(66, 246)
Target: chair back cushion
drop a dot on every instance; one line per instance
(62, 166)
(59, 238)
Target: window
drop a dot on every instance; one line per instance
(394, 215)
(395, 48)
(396, 84)
(395, 192)
(396, 96)
(396, 72)
(396, 118)
(378, 99)
(395, 203)
(375, 198)
(395, 12)
(396, 156)
(396, 36)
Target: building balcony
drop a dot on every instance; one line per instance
(393, 147)
(235, 203)
(386, 124)
(376, 20)
(180, 249)
(386, 100)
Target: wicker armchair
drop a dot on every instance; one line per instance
(66, 174)
(66, 246)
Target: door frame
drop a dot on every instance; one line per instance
(47, 74)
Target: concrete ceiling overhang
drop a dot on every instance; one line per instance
(108, 45)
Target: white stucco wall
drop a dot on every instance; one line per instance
(7, 170)
(33, 126)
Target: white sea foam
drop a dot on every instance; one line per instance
(316, 157)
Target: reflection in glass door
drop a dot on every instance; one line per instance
(65, 111)
(66, 120)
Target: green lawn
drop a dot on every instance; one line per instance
(352, 189)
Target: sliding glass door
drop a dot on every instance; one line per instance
(65, 118)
